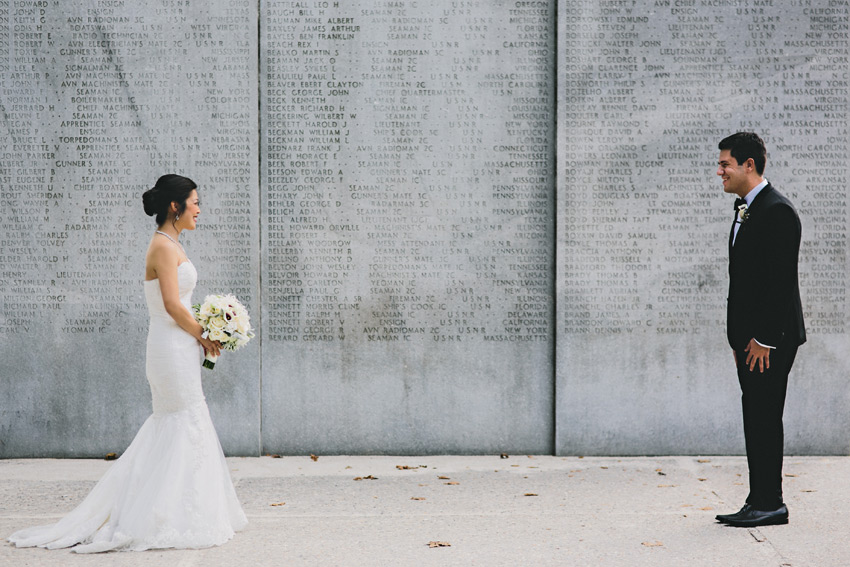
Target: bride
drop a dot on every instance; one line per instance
(171, 487)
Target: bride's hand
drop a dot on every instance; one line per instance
(210, 347)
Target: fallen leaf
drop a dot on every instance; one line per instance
(370, 477)
(652, 544)
(452, 483)
(707, 508)
(661, 473)
(603, 468)
(444, 477)
(110, 457)
(417, 498)
(278, 504)
(790, 475)
(314, 457)
(275, 456)
(666, 485)
(702, 479)
(703, 460)
(530, 494)
(439, 544)
(405, 467)
(808, 491)
(504, 456)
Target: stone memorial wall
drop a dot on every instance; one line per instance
(407, 261)
(98, 99)
(460, 227)
(648, 90)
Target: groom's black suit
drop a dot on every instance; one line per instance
(764, 304)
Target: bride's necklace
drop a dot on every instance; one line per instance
(171, 239)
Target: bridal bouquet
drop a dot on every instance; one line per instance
(224, 319)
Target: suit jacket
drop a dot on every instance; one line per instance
(764, 291)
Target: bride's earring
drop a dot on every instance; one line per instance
(177, 217)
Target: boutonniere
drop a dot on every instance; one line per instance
(743, 213)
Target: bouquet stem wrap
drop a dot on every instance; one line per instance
(209, 361)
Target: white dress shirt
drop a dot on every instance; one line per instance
(749, 198)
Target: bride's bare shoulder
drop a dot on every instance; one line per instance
(159, 248)
(161, 253)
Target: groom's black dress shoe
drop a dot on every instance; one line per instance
(752, 518)
(724, 518)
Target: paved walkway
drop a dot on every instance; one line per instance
(520, 511)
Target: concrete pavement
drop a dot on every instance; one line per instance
(519, 511)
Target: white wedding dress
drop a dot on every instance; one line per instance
(171, 487)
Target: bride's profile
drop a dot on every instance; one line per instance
(171, 488)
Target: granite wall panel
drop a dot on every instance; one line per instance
(408, 268)
(647, 90)
(98, 100)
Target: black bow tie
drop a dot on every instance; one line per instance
(739, 202)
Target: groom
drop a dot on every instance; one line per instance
(764, 318)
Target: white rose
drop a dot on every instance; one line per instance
(217, 335)
(216, 324)
(205, 311)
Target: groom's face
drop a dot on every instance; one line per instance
(735, 176)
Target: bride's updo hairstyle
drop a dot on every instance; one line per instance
(169, 188)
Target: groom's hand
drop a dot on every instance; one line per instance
(757, 354)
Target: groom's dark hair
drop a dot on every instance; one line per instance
(746, 145)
